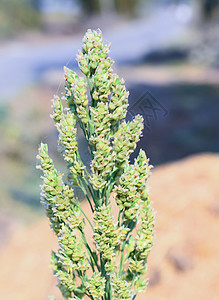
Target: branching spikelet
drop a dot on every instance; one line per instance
(102, 164)
(120, 288)
(57, 109)
(67, 136)
(70, 78)
(113, 267)
(66, 279)
(106, 233)
(125, 140)
(132, 188)
(72, 248)
(142, 169)
(79, 89)
(127, 196)
(119, 100)
(94, 53)
(46, 163)
(96, 285)
(101, 121)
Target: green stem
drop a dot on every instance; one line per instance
(83, 280)
(120, 211)
(83, 129)
(122, 255)
(92, 104)
(123, 247)
(109, 191)
(91, 206)
(89, 186)
(111, 184)
(91, 192)
(102, 265)
(109, 289)
(89, 249)
(133, 280)
(89, 295)
(90, 89)
(85, 215)
(82, 186)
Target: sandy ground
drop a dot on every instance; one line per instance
(184, 260)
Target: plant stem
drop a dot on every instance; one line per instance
(90, 203)
(89, 249)
(121, 259)
(85, 216)
(90, 89)
(82, 186)
(120, 211)
(109, 290)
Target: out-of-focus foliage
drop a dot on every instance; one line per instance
(16, 15)
(90, 7)
(206, 48)
(126, 7)
(208, 8)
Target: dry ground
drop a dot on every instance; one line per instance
(184, 260)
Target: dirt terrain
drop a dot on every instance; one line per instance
(184, 262)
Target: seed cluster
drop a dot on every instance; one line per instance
(113, 266)
(55, 196)
(132, 190)
(102, 164)
(120, 288)
(96, 285)
(107, 235)
(125, 140)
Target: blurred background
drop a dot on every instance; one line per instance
(168, 53)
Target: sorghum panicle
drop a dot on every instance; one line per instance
(113, 267)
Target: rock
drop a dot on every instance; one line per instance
(214, 208)
(180, 262)
(154, 277)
